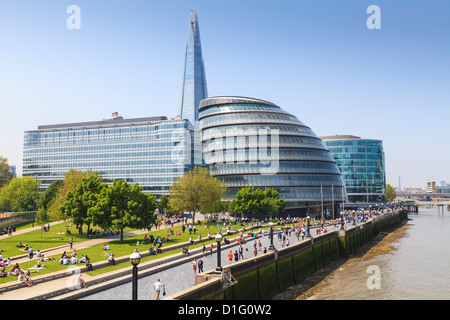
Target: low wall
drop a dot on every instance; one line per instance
(265, 276)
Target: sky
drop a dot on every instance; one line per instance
(316, 59)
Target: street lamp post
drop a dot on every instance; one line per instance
(135, 259)
(308, 234)
(271, 247)
(219, 264)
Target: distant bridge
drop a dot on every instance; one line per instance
(424, 194)
(412, 205)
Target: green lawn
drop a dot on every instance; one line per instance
(48, 239)
(95, 253)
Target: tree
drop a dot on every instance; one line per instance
(120, 206)
(250, 201)
(20, 194)
(70, 182)
(6, 173)
(49, 195)
(390, 193)
(272, 205)
(80, 202)
(195, 191)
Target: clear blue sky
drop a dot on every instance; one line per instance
(316, 59)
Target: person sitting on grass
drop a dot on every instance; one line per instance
(74, 260)
(106, 247)
(151, 250)
(3, 272)
(88, 263)
(111, 260)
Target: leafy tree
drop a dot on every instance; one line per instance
(70, 182)
(81, 201)
(20, 194)
(250, 201)
(272, 205)
(195, 191)
(163, 203)
(218, 206)
(5, 172)
(121, 205)
(390, 193)
(47, 197)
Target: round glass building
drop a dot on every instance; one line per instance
(252, 142)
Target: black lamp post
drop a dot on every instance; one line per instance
(219, 264)
(308, 234)
(135, 259)
(271, 247)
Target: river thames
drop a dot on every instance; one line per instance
(418, 267)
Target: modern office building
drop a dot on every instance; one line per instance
(252, 142)
(362, 164)
(152, 152)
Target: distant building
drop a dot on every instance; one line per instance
(13, 170)
(431, 186)
(361, 162)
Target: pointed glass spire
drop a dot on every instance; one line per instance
(193, 86)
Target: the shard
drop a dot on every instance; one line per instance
(193, 86)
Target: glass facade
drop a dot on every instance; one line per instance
(251, 142)
(152, 152)
(361, 162)
(193, 86)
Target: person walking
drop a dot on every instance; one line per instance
(157, 287)
(194, 266)
(230, 256)
(236, 256)
(71, 243)
(241, 252)
(200, 265)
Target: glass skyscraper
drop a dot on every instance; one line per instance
(252, 142)
(193, 86)
(152, 152)
(361, 162)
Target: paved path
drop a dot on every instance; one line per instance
(182, 277)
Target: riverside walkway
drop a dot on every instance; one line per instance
(175, 271)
